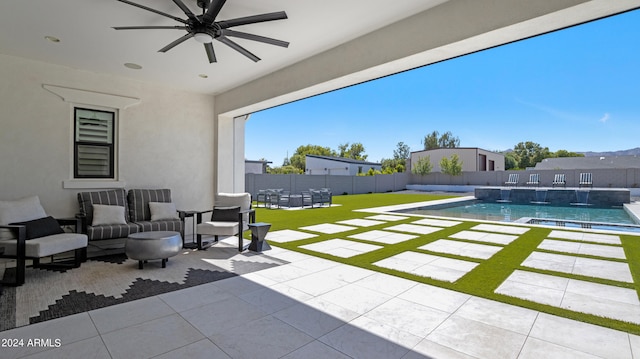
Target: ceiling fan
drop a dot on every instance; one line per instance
(204, 28)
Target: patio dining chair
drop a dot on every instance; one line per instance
(586, 180)
(559, 180)
(513, 179)
(534, 179)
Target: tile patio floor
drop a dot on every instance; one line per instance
(316, 308)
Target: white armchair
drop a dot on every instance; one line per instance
(230, 216)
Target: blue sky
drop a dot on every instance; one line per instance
(577, 89)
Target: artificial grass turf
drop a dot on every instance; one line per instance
(481, 281)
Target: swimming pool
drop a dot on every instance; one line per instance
(568, 216)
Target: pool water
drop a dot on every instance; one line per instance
(508, 212)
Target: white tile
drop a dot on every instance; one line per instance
(440, 273)
(582, 236)
(387, 217)
(602, 307)
(315, 349)
(360, 343)
(315, 264)
(287, 235)
(485, 237)
(473, 250)
(361, 222)
(269, 338)
(386, 283)
(313, 321)
(549, 261)
(480, 340)
(284, 273)
(411, 317)
(603, 269)
(599, 341)
(315, 284)
(127, 314)
(583, 248)
(437, 222)
(356, 298)
(536, 349)
(540, 280)
(391, 333)
(223, 315)
(341, 248)
(435, 297)
(559, 246)
(203, 349)
(406, 261)
(427, 348)
(501, 315)
(268, 300)
(151, 338)
(348, 273)
(328, 228)
(383, 237)
(413, 228)
(622, 295)
(531, 292)
(500, 228)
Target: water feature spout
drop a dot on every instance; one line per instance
(582, 198)
(505, 194)
(541, 197)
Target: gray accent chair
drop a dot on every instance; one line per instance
(27, 233)
(230, 216)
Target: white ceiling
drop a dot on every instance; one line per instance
(88, 41)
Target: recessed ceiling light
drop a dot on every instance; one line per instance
(204, 76)
(52, 38)
(132, 66)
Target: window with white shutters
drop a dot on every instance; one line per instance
(94, 143)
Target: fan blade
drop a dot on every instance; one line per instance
(280, 15)
(177, 42)
(244, 35)
(238, 48)
(186, 10)
(208, 47)
(155, 11)
(150, 27)
(214, 9)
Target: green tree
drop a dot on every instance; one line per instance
(354, 151)
(422, 166)
(433, 141)
(565, 153)
(510, 161)
(452, 166)
(529, 153)
(298, 159)
(284, 170)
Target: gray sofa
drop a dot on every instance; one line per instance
(108, 217)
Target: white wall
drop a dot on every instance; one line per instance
(165, 141)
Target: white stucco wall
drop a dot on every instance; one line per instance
(165, 141)
(468, 156)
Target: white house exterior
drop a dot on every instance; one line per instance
(256, 167)
(473, 159)
(337, 166)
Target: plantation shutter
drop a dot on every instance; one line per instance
(94, 144)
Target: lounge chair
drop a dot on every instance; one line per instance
(230, 216)
(534, 179)
(586, 180)
(26, 232)
(513, 179)
(559, 180)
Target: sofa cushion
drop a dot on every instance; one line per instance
(163, 211)
(218, 228)
(139, 202)
(115, 197)
(40, 227)
(111, 231)
(174, 225)
(107, 215)
(48, 245)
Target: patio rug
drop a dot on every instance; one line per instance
(114, 279)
